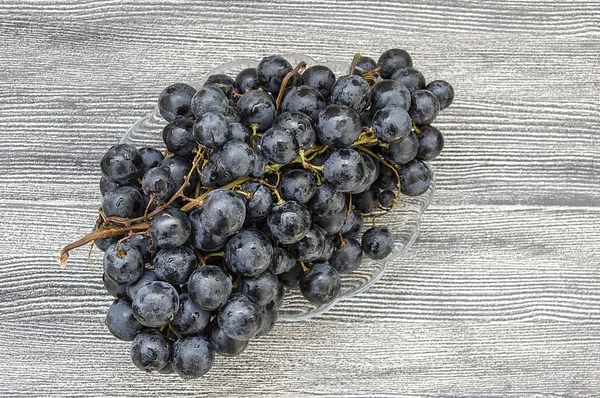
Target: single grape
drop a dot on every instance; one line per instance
(338, 126)
(352, 91)
(271, 315)
(366, 202)
(246, 80)
(192, 357)
(271, 71)
(298, 184)
(149, 350)
(392, 124)
(209, 287)
(371, 173)
(232, 115)
(147, 277)
(159, 182)
(201, 238)
(249, 253)
(443, 92)
(120, 320)
(175, 265)
(327, 251)
(155, 304)
(106, 185)
(301, 125)
(260, 162)
(262, 287)
(345, 169)
(261, 201)
(113, 288)
(387, 179)
(125, 266)
(170, 228)
(366, 63)
(402, 151)
(282, 262)
(291, 278)
(411, 78)
(424, 107)
(212, 130)
(256, 107)
(223, 82)
(303, 99)
(209, 99)
(332, 225)
(223, 212)
(320, 78)
(289, 222)
(366, 118)
(121, 164)
(279, 145)
(125, 202)
(189, 319)
(389, 92)
(239, 132)
(223, 344)
(386, 198)
(377, 243)
(209, 175)
(347, 256)
(241, 318)
(327, 201)
(415, 178)
(310, 247)
(431, 142)
(392, 60)
(151, 157)
(180, 168)
(321, 285)
(234, 160)
(176, 100)
(178, 136)
(144, 245)
(353, 224)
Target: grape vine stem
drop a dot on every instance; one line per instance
(354, 63)
(385, 162)
(104, 232)
(285, 81)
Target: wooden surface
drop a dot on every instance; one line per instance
(500, 296)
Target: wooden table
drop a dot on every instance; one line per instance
(498, 297)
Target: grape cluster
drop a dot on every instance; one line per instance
(263, 187)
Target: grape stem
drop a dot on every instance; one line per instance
(199, 201)
(342, 241)
(354, 62)
(305, 269)
(285, 81)
(127, 225)
(129, 221)
(385, 162)
(104, 232)
(417, 131)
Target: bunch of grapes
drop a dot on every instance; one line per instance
(263, 187)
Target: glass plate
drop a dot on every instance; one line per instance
(403, 221)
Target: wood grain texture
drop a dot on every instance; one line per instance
(500, 295)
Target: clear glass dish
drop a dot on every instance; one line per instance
(403, 221)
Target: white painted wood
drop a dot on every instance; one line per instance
(498, 297)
